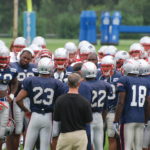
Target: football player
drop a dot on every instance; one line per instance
(17, 45)
(120, 57)
(144, 71)
(145, 41)
(101, 52)
(136, 50)
(43, 53)
(25, 69)
(8, 87)
(42, 91)
(110, 50)
(93, 58)
(82, 43)
(85, 50)
(110, 75)
(72, 51)
(96, 92)
(62, 70)
(130, 111)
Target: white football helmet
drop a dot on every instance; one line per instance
(45, 66)
(4, 57)
(28, 49)
(70, 47)
(35, 48)
(18, 44)
(108, 65)
(131, 66)
(89, 70)
(110, 50)
(82, 43)
(61, 58)
(144, 67)
(2, 43)
(101, 51)
(92, 48)
(72, 51)
(145, 42)
(42, 53)
(120, 57)
(45, 53)
(86, 50)
(40, 41)
(136, 50)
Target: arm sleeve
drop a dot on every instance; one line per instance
(121, 85)
(26, 84)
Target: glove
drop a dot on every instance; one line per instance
(116, 127)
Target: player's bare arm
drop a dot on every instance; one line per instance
(120, 106)
(147, 110)
(19, 100)
(13, 89)
(14, 85)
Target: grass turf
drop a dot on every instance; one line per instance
(53, 44)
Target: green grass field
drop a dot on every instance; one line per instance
(52, 44)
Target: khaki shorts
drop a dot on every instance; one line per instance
(76, 140)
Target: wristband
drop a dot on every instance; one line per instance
(11, 96)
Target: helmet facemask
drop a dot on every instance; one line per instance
(135, 54)
(17, 48)
(4, 61)
(61, 63)
(107, 69)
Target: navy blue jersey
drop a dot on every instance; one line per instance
(42, 92)
(69, 70)
(95, 91)
(24, 72)
(136, 88)
(147, 77)
(113, 97)
(6, 75)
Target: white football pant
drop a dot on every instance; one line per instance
(39, 125)
(97, 133)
